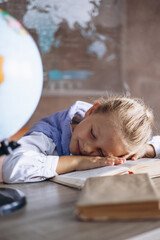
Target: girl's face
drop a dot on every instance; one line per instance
(96, 135)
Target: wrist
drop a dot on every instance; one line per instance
(65, 164)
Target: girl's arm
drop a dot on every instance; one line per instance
(150, 150)
(76, 163)
(35, 160)
(155, 143)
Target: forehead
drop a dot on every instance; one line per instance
(108, 133)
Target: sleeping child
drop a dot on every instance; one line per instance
(83, 137)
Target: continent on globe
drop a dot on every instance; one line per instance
(13, 23)
(1, 72)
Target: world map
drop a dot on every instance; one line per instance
(77, 41)
(47, 16)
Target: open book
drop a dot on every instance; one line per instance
(77, 179)
(118, 197)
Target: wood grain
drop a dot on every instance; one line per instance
(49, 214)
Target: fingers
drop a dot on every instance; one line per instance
(114, 161)
(106, 161)
(127, 156)
(86, 162)
(134, 157)
(138, 155)
(119, 161)
(131, 157)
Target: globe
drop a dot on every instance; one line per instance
(21, 75)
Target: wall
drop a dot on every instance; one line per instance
(142, 54)
(93, 48)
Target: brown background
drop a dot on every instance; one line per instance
(133, 27)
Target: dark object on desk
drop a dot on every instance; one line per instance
(7, 147)
(11, 200)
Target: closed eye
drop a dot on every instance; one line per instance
(92, 134)
(101, 153)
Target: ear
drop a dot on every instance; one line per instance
(91, 110)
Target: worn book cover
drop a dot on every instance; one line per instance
(118, 197)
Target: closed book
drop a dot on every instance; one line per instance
(118, 197)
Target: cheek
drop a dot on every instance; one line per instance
(82, 131)
(79, 130)
(119, 150)
(75, 131)
(76, 135)
(83, 134)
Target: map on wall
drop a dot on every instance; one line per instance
(79, 42)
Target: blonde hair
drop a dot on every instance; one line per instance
(133, 117)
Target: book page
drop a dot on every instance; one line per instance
(145, 165)
(77, 178)
(69, 181)
(103, 171)
(130, 163)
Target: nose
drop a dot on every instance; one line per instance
(89, 150)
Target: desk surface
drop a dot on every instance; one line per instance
(49, 214)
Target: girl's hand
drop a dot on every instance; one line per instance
(90, 162)
(148, 151)
(74, 162)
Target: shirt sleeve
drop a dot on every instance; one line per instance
(35, 160)
(155, 142)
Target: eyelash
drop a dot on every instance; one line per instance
(101, 154)
(92, 134)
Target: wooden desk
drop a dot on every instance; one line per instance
(49, 215)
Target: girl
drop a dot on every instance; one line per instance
(84, 137)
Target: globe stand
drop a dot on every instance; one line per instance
(7, 147)
(11, 200)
